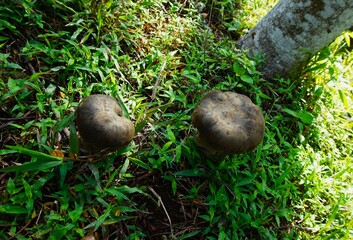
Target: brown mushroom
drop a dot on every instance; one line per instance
(101, 123)
(227, 123)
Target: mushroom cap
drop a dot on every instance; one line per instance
(101, 124)
(228, 123)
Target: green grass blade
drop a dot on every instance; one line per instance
(74, 144)
(35, 154)
(45, 161)
(32, 166)
(6, 151)
(12, 209)
(332, 216)
(140, 163)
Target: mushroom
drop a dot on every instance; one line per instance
(101, 123)
(227, 123)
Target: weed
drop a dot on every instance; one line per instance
(158, 59)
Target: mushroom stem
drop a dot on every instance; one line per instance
(206, 149)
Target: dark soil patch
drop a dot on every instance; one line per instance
(178, 216)
(167, 215)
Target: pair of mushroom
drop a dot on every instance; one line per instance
(227, 123)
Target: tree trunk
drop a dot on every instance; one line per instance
(294, 30)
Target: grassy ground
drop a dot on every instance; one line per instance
(159, 58)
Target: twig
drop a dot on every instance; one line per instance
(160, 202)
(23, 228)
(30, 67)
(40, 213)
(210, 17)
(5, 125)
(182, 206)
(15, 119)
(196, 215)
(11, 120)
(65, 129)
(158, 80)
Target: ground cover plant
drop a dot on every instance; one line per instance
(158, 59)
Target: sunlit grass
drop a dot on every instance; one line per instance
(327, 156)
(158, 58)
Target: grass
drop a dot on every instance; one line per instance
(158, 59)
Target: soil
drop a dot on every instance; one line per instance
(168, 215)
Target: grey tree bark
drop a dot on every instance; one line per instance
(294, 30)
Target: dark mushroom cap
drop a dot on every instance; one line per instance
(228, 123)
(101, 124)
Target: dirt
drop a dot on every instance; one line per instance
(169, 215)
